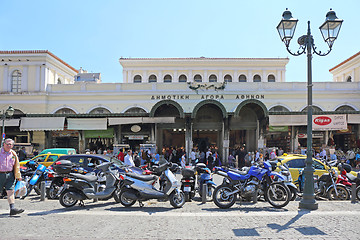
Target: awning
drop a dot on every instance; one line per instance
(124, 120)
(135, 120)
(354, 118)
(12, 122)
(288, 120)
(42, 123)
(87, 123)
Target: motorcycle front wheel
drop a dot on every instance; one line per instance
(278, 195)
(53, 191)
(221, 196)
(120, 198)
(66, 200)
(177, 200)
(343, 193)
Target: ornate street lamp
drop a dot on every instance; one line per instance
(5, 114)
(329, 30)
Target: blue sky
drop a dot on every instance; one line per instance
(95, 34)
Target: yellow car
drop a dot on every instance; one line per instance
(45, 159)
(296, 163)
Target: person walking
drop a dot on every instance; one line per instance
(9, 172)
(22, 154)
(128, 159)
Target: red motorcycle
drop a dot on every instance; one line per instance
(347, 179)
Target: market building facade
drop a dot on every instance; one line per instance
(179, 102)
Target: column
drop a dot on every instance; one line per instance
(37, 78)
(81, 141)
(221, 77)
(188, 139)
(250, 77)
(175, 77)
(235, 77)
(190, 78)
(152, 136)
(278, 76)
(263, 78)
(129, 77)
(206, 78)
(6, 81)
(144, 77)
(24, 79)
(160, 77)
(226, 141)
(124, 77)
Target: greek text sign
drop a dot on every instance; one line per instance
(329, 122)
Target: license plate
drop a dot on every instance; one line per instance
(187, 189)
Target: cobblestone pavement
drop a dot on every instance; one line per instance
(159, 220)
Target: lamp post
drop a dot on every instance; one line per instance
(329, 30)
(8, 113)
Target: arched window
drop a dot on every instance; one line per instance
(65, 111)
(227, 78)
(137, 79)
(212, 78)
(344, 108)
(279, 109)
(242, 78)
(135, 110)
(197, 78)
(99, 110)
(152, 78)
(16, 81)
(315, 109)
(167, 78)
(349, 79)
(182, 78)
(257, 78)
(271, 78)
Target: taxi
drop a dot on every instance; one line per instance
(296, 163)
(45, 159)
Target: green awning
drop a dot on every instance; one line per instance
(109, 133)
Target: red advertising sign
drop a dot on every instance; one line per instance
(329, 122)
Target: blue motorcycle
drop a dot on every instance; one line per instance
(205, 177)
(248, 184)
(34, 183)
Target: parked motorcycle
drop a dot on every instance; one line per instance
(79, 187)
(55, 182)
(247, 184)
(325, 186)
(204, 177)
(347, 179)
(188, 182)
(140, 188)
(284, 176)
(35, 182)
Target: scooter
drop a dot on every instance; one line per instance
(205, 177)
(34, 183)
(140, 188)
(347, 179)
(79, 187)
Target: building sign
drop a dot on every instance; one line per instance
(278, 128)
(136, 137)
(329, 122)
(314, 135)
(206, 96)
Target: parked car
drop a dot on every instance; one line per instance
(89, 161)
(45, 159)
(296, 162)
(66, 151)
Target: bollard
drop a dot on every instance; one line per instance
(204, 193)
(255, 196)
(42, 191)
(353, 193)
(96, 190)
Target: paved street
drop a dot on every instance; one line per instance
(158, 220)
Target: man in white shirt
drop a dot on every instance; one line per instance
(128, 160)
(192, 156)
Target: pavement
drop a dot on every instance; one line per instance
(159, 220)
